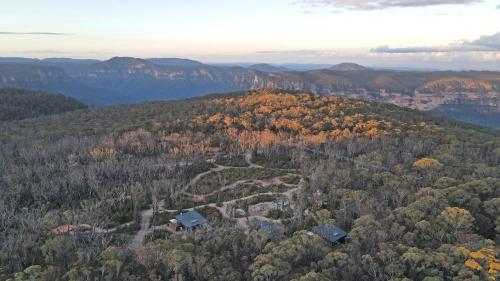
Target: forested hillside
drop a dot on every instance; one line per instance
(16, 104)
(87, 195)
(471, 96)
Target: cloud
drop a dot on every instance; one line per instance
(491, 41)
(382, 4)
(485, 43)
(33, 33)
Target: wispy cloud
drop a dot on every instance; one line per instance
(486, 43)
(34, 33)
(382, 4)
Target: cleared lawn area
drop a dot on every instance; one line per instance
(243, 190)
(244, 204)
(214, 181)
(291, 179)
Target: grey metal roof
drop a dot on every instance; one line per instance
(267, 226)
(190, 219)
(273, 230)
(330, 232)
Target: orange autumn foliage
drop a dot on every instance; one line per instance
(256, 120)
(484, 258)
(472, 264)
(106, 151)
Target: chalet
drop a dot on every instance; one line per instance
(331, 233)
(273, 231)
(188, 221)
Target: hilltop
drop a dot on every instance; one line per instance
(264, 67)
(16, 104)
(175, 62)
(105, 183)
(261, 107)
(348, 67)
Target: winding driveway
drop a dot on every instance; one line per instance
(136, 243)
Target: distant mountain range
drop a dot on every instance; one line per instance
(264, 67)
(471, 95)
(56, 80)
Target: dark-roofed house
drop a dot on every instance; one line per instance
(188, 221)
(331, 233)
(274, 231)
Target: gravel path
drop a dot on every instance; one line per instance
(136, 243)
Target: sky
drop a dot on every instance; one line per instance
(441, 34)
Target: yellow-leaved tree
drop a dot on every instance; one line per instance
(427, 163)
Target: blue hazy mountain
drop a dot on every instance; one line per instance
(467, 95)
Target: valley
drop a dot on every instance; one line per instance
(124, 80)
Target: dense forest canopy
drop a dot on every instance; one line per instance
(17, 104)
(85, 195)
